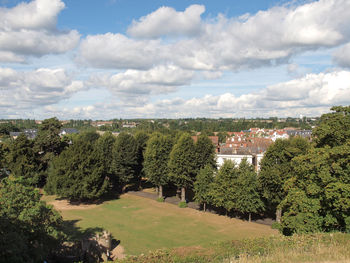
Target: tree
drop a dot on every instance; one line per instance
(223, 189)
(48, 144)
(204, 153)
(334, 128)
(321, 179)
(21, 159)
(124, 159)
(182, 169)
(247, 197)
(156, 160)
(29, 229)
(141, 140)
(77, 172)
(202, 185)
(104, 149)
(276, 169)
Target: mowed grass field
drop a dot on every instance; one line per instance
(142, 224)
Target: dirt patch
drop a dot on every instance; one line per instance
(65, 205)
(192, 250)
(118, 252)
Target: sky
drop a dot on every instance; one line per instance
(106, 59)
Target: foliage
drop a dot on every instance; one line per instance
(48, 144)
(77, 173)
(202, 185)
(223, 189)
(7, 127)
(104, 149)
(156, 159)
(321, 179)
(247, 197)
(204, 153)
(124, 159)
(276, 168)
(141, 138)
(29, 229)
(182, 169)
(21, 159)
(334, 128)
(182, 204)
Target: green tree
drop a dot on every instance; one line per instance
(21, 159)
(182, 169)
(104, 149)
(124, 159)
(223, 189)
(77, 172)
(321, 179)
(334, 128)
(276, 169)
(202, 185)
(204, 153)
(29, 229)
(48, 144)
(141, 138)
(247, 197)
(156, 160)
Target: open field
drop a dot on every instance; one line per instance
(142, 224)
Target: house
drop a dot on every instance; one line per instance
(29, 133)
(67, 131)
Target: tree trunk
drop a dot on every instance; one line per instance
(250, 217)
(160, 192)
(204, 206)
(183, 194)
(278, 215)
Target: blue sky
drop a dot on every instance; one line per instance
(164, 58)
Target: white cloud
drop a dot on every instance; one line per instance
(30, 29)
(311, 95)
(21, 90)
(166, 21)
(263, 39)
(342, 56)
(136, 83)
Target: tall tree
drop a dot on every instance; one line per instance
(202, 185)
(223, 190)
(156, 160)
(48, 144)
(29, 229)
(182, 169)
(104, 150)
(141, 138)
(124, 159)
(276, 169)
(21, 159)
(247, 197)
(204, 153)
(77, 172)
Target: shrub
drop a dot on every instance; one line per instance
(182, 204)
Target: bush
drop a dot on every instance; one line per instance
(182, 204)
(160, 199)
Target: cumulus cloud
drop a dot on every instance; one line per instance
(135, 83)
(266, 38)
(166, 21)
(342, 56)
(310, 95)
(22, 90)
(30, 29)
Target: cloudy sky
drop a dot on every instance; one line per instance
(163, 58)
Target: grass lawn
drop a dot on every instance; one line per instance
(142, 224)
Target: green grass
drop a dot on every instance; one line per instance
(143, 225)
